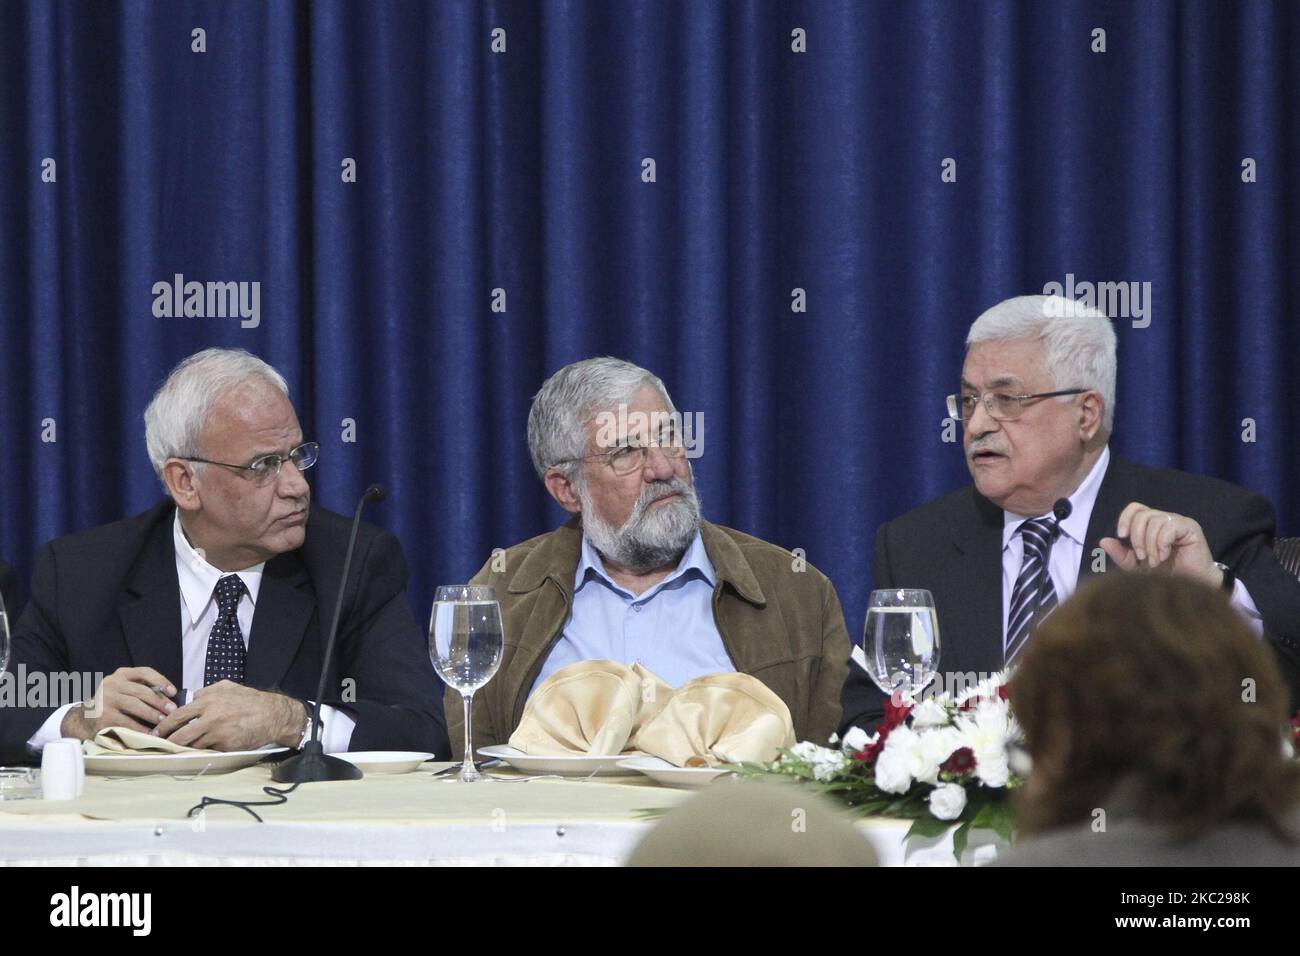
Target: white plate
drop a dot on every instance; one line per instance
(661, 771)
(384, 761)
(559, 764)
(139, 765)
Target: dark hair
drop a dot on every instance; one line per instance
(1153, 684)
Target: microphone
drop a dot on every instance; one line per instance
(312, 764)
(1061, 510)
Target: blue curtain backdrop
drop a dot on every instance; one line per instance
(523, 170)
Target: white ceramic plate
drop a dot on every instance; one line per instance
(564, 765)
(139, 765)
(662, 772)
(384, 761)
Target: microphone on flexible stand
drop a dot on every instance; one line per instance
(312, 764)
(1061, 510)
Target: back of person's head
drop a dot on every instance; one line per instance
(1154, 687)
(750, 823)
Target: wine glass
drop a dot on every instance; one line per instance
(902, 641)
(465, 645)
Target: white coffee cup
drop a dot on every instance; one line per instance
(81, 764)
(62, 765)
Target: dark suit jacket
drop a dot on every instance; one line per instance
(953, 548)
(9, 591)
(109, 598)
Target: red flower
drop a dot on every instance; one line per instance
(895, 713)
(974, 700)
(961, 762)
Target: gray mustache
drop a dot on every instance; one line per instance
(659, 489)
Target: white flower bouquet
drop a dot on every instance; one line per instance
(937, 762)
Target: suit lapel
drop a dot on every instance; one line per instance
(541, 633)
(978, 578)
(1118, 488)
(285, 604)
(150, 611)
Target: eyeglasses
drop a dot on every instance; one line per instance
(1001, 406)
(629, 458)
(266, 469)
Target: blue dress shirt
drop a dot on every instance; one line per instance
(669, 629)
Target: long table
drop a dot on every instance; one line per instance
(408, 819)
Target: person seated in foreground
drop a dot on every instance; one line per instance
(637, 576)
(755, 823)
(1157, 726)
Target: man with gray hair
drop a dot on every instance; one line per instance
(1050, 504)
(209, 611)
(638, 576)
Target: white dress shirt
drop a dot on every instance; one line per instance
(198, 613)
(1067, 551)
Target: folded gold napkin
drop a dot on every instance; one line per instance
(589, 708)
(121, 740)
(719, 718)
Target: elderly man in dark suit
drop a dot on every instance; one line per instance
(208, 612)
(1050, 505)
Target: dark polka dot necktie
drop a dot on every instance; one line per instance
(225, 660)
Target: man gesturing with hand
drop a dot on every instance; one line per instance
(1153, 540)
(1050, 505)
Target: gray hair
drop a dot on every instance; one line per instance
(1078, 341)
(571, 398)
(179, 410)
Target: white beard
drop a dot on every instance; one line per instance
(649, 539)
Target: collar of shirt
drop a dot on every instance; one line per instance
(1074, 527)
(198, 579)
(695, 563)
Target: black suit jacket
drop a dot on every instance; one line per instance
(9, 591)
(953, 548)
(109, 598)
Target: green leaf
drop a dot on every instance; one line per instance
(959, 838)
(1003, 820)
(927, 826)
(983, 815)
(872, 807)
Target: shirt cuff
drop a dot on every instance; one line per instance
(335, 729)
(49, 731)
(1244, 603)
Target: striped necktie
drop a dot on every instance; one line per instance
(1034, 595)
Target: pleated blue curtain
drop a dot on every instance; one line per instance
(789, 211)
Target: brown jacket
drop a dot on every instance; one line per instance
(780, 620)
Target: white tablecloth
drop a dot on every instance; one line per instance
(380, 820)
